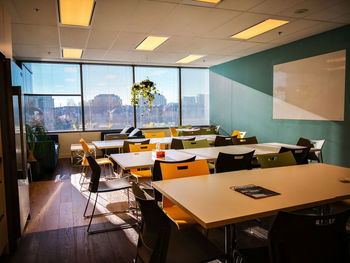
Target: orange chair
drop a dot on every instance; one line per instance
(143, 175)
(150, 135)
(173, 132)
(239, 134)
(178, 170)
(85, 163)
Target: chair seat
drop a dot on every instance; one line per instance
(113, 185)
(179, 216)
(188, 245)
(100, 161)
(142, 175)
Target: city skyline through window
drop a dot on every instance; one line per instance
(58, 100)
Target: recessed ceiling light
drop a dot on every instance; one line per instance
(73, 53)
(208, 1)
(151, 42)
(260, 28)
(189, 59)
(76, 12)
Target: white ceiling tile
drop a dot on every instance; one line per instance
(101, 39)
(22, 11)
(112, 14)
(73, 37)
(37, 51)
(94, 54)
(274, 7)
(142, 21)
(34, 34)
(239, 4)
(332, 12)
(128, 40)
(237, 24)
(313, 6)
(176, 44)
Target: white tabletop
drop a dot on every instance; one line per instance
(212, 203)
(145, 160)
(165, 140)
(212, 153)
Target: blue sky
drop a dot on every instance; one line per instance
(107, 79)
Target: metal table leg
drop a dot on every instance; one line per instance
(228, 244)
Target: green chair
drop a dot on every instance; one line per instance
(196, 144)
(180, 133)
(199, 144)
(276, 160)
(210, 130)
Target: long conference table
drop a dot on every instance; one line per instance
(210, 200)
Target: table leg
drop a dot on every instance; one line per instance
(228, 244)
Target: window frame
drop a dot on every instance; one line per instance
(22, 62)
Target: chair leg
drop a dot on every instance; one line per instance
(92, 214)
(87, 204)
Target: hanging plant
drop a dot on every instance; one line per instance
(146, 90)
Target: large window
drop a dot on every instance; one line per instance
(54, 99)
(165, 111)
(195, 96)
(107, 97)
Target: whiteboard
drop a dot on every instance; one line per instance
(311, 88)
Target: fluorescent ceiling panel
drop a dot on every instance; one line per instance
(260, 28)
(72, 53)
(151, 43)
(76, 12)
(189, 59)
(208, 1)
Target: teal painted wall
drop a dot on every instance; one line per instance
(241, 96)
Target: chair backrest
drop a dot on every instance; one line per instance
(304, 142)
(185, 126)
(179, 170)
(196, 144)
(127, 130)
(276, 159)
(239, 134)
(157, 173)
(86, 150)
(300, 155)
(116, 136)
(233, 162)
(144, 147)
(223, 140)
(135, 132)
(177, 143)
(150, 135)
(154, 234)
(248, 140)
(173, 132)
(317, 144)
(210, 130)
(304, 238)
(191, 133)
(126, 144)
(217, 129)
(95, 175)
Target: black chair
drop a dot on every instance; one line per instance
(318, 144)
(300, 155)
(177, 143)
(97, 187)
(126, 144)
(248, 140)
(160, 240)
(136, 134)
(157, 174)
(233, 162)
(223, 140)
(296, 238)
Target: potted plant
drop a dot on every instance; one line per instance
(146, 90)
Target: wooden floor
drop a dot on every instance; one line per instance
(56, 231)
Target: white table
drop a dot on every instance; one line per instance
(145, 160)
(77, 153)
(114, 144)
(212, 203)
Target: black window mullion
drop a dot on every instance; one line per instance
(133, 81)
(82, 98)
(180, 99)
